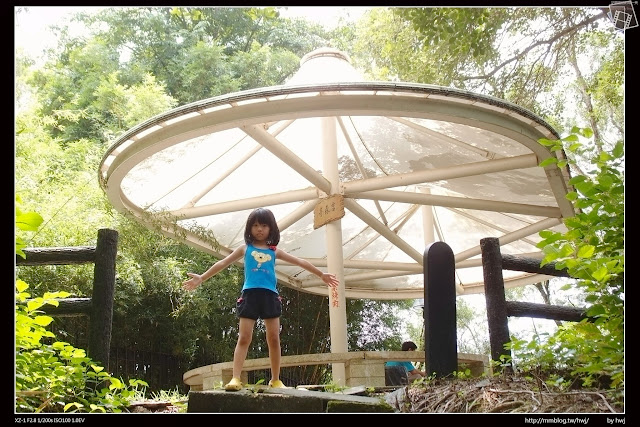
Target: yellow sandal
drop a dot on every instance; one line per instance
(234, 385)
(277, 384)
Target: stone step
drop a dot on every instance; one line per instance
(290, 400)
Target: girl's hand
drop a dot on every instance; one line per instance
(330, 279)
(194, 282)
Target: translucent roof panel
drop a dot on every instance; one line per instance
(412, 163)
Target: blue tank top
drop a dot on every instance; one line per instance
(259, 269)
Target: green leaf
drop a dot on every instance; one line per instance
(73, 404)
(29, 221)
(586, 132)
(576, 179)
(570, 138)
(34, 304)
(95, 407)
(596, 310)
(43, 320)
(115, 383)
(546, 142)
(600, 273)
(586, 251)
(548, 161)
(604, 157)
(21, 285)
(574, 147)
(566, 250)
(618, 150)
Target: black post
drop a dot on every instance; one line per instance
(494, 296)
(104, 283)
(441, 343)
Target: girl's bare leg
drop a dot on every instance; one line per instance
(245, 334)
(273, 342)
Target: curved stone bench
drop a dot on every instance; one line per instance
(362, 368)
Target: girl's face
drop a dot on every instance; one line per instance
(260, 232)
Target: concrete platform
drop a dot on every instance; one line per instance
(265, 400)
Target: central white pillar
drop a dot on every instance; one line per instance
(335, 264)
(427, 220)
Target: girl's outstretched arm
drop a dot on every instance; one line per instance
(328, 278)
(197, 279)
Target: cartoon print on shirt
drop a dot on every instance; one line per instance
(260, 257)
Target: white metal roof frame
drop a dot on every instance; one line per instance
(436, 152)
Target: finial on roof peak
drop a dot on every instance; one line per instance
(325, 51)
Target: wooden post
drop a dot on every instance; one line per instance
(495, 298)
(441, 344)
(104, 283)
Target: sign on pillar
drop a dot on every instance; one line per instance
(328, 210)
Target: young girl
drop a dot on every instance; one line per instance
(259, 297)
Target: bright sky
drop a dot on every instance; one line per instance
(31, 28)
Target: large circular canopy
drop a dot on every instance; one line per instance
(409, 163)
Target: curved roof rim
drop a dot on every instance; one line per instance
(197, 107)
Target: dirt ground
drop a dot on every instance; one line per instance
(499, 394)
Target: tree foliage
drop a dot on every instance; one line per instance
(533, 57)
(52, 375)
(592, 251)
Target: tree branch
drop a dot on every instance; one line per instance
(549, 42)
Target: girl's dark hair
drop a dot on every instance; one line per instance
(409, 345)
(262, 216)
